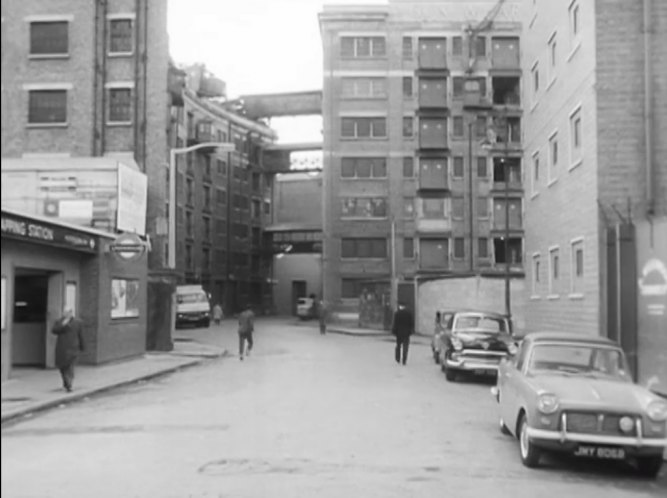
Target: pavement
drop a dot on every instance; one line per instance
(31, 390)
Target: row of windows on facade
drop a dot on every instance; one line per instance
(554, 153)
(51, 38)
(205, 166)
(238, 230)
(504, 168)
(240, 202)
(435, 129)
(438, 248)
(239, 261)
(204, 130)
(435, 209)
(433, 92)
(553, 58)
(554, 281)
(49, 107)
(376, 46)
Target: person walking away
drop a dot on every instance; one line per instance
(322, 315)
(217, 313)
(69, 344)
(246, 328)
(402, 328)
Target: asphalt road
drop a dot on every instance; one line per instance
(304, 416)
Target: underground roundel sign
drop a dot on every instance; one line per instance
(128, 247)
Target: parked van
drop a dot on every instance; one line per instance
(192, 306)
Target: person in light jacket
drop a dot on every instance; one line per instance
(69, 344)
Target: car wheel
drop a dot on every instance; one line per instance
(530, 454)
(503, 428)
(649, 466)
(436, 356)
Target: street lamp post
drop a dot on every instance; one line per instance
(225, 146)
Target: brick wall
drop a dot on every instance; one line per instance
(561, 205)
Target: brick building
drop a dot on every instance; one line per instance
(223, 198)
(585, 144)
(596, 109)
(84, 120)
(411, 91)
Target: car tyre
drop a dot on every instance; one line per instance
(436, 356)
(649, 466)
(530, 454)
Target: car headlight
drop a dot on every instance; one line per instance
(657, 411)
(547, 403)
(458, 345)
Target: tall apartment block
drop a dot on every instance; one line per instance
(223, 199)
(82, 83)
(422, 144)
(596, 180)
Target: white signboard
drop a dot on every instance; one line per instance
(132, 200)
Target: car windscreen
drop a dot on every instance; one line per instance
(579, 359)
(191, 298)
(481, 323)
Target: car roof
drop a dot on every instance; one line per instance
(550, 336)
(494, 314)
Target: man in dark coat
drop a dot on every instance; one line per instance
(246, 328)
(69, 344)
(403, 328)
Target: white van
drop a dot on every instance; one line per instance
(192, 306)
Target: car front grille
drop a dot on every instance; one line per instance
(598, 423)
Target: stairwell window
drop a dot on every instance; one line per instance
(457, 46)
(408, 248)
(553, 158)
(121, 34)
(407, 47)
(408, 127)
(457, 169)
(119, 105)
(408, 167)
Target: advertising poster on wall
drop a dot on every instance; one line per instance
(652, 304)
(132, 200)
(124, 298)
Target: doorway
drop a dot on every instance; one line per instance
(299, 289)
(31, 298)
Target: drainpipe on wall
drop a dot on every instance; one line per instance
(648, 111)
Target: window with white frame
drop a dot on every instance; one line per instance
(553, 157)
(575, 138)
(47, 107)
(121, 36)
(535, 80)
(363, 207)
(363, 167)
(554, 271)
(364, 127)
(552, 49)
(535, 174)
(536, 274)
(49, 38)
(119, 105)
(577, 265)
(364, 88)
(363, 46)
(575, 20)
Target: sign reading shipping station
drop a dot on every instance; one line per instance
(128, 247)
(27, 229)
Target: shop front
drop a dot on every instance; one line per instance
(49, 265)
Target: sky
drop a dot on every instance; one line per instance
(256, 46)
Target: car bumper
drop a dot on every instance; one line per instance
(568, 441)
(470, 364)
(192, 318)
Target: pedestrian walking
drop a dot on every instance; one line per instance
(217, 313)
(402, 328)
(246, 328)
(322, 315)
(69, 344)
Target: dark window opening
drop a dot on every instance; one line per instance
(514, 248)
(507, 168)
(506, 90)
